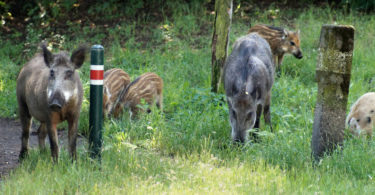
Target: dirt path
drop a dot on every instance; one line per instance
(10, 143)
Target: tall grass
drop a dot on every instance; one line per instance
(187, 148)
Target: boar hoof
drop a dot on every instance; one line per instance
(23, 154)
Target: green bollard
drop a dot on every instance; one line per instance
(96, 101)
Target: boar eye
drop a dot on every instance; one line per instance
(249, 115)
(372, 111)
(69, 73)
(52, 73)
(292, 43)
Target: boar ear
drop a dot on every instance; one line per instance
(348, 120)
(254, 94)
(234, 89)
(78, 56)
(47, 55)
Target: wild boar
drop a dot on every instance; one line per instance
(115, 80)
(248, 79)
(361, 118)
(49, 89)
(280, 40)
(148, 86)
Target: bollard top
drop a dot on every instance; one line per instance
(97, 55)
(337, 37)
(334, 26)
(336, 49)
(97, 47)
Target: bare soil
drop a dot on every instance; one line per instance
(10, 143)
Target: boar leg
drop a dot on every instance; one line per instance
(52, 135)
(25, 118)
(279, 60)
(259, 114)
(253, 135)
(133, 112)
(159, 102)
(72, 136)
(267, 111)
(275, 57)
(42, 133)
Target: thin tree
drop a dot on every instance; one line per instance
(220, 41)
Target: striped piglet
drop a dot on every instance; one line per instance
(148, 86)
(115, 80)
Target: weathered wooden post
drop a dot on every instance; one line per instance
(220, 40)
(333, 76)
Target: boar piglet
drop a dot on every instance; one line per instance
(280, 40)
(49, 89)
(361, 118)
(115, 80)
(248, 78)
(147, 87)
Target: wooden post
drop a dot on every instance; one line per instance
(220, 40)
(333, 76)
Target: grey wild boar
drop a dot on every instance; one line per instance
(115, 80)
(49, 89)
(248, 79)
(361, 118)
(148, 86)
(280, 40)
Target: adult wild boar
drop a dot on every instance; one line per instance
(49, 89)
(248, 78)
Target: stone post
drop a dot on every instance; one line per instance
(333, 76)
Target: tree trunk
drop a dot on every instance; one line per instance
(333, 76)
(220, 40)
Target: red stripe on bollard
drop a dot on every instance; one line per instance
(96, 74)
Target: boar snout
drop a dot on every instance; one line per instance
(298, 54)
(239, 137)
(240, 125)
(56, 102)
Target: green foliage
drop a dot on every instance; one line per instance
(8, 75)
(187, 148)
(363, 5)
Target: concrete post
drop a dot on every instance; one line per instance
(333, 76)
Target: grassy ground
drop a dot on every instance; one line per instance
(187, 149)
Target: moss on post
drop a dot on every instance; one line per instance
(220, 39)
(333, 77)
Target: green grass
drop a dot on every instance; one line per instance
(187, 148)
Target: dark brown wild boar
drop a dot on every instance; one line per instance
(49, 89)
(115, 80)
(248, 79)
(280, 40)
(148, 87)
